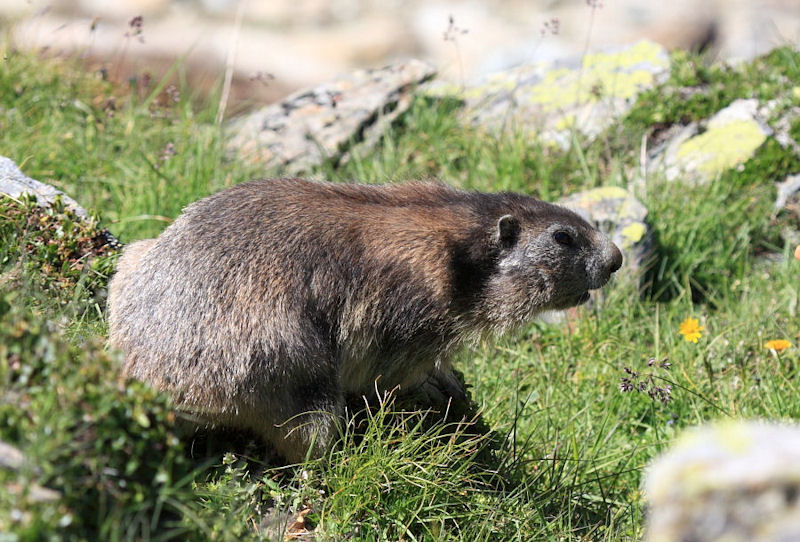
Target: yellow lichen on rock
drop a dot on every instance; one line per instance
(644, 51)
(604, 192)
(722, 146)
(565, 122)
(633, 233)
(617, 75)
(742, 475)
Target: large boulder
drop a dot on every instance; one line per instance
(14, 183)
(698, 152)
(735, 481)
(324, 122)
(554, 100)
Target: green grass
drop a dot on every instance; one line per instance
(558, 451)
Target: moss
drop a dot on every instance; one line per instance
(695, 91)
(770, 164)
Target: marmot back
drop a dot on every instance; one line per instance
(265, 305)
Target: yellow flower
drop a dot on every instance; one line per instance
(690, 329)
(777, 345)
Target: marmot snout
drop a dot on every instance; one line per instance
(267, 304)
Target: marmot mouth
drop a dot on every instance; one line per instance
(567, 302)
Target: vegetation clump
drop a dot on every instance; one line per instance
(54, 249)
(109, 449)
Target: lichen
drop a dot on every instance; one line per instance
(721, 147)
(603, 192)
(565, 122)
(633, 233)
(621, 74)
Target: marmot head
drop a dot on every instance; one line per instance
(548, 259)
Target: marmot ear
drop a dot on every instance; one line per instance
(507, 230)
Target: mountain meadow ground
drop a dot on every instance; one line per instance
(567, 416)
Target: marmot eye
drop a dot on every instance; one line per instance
(563, 238)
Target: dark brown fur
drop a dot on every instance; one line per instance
(267, 304)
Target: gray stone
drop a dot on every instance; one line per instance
(555, 100)
(10, 457)
(701, 152)
(619, 215)
(321, 123)
(734, 481)
(33, 493)
(783, 126)
(14, 183)
(787, 207)
(788, 192)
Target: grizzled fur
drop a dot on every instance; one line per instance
(267, 304)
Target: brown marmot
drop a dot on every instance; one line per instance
(266, 305)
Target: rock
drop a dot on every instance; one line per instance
(553, 100)
(788, 193)
(783, 125)
(619, 215)
(787, 209)
(317, 124)
(12, 458)
(14, 183)
(729, 139)
(34, 493)
(735, 481)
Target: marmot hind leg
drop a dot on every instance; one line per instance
(301, 417)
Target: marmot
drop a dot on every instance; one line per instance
(267, 304)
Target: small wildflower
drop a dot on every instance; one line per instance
(167, 152)
(109, 107)
(136, 25)
(797, 252)
(664, 363)
(690, 329)
(647, 383)
(453, 31)
(777, 345)
(551, 27)
(262, 77)
(173, 93)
